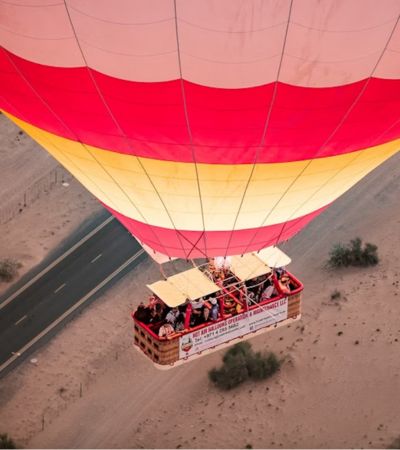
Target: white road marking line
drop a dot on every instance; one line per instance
(55, 262)
(60, 287)
(70, 310)
(20, 320)
(95, 259)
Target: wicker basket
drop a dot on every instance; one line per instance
(165, 352)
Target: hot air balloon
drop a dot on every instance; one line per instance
(209, 129)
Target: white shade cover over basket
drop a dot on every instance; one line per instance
(274, 257)
(191, 284)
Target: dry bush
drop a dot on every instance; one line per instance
(9, 269)
(353, 254)
(240, 363)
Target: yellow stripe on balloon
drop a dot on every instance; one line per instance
(145, 189)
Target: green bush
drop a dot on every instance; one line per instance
(353, 254)
(8, 269)
(242, 348)
(231, 374)
(370, 255)
(241, 363)
(6, 442)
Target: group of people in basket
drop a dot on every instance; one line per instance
(167, 322)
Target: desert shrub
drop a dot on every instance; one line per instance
(262, 366)
(353, 254)
(242, 348)
(8, 269)
(370, 255)
(339, 256)
(233, 372)
(6, 441)
(241, 363)
(336, 295)
(395, 443)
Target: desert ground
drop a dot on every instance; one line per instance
(338, 387)
(52, 211)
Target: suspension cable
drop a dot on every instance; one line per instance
(264, 133)
(70, 132)
(117, 124)
(189, 130)
(329, 138)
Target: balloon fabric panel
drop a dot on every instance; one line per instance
(207, 133)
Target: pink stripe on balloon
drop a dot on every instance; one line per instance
(190, 244)
(226, 124)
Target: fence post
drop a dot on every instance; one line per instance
(32, 193)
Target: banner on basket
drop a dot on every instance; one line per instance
(234, 327)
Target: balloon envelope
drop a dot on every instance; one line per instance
(207, 128)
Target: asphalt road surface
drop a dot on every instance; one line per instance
(45, 300)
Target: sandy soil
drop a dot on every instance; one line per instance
(21, 156)
(339, 388)
(43, 224)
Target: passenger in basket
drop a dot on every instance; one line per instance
(172, 316)
(166, 330)
(219, 276)
(284, 284)
(250, 297)
(229, 305)
(280, 272)
(268, 292)
(214, 309)
(142, 313)
(153, 300)
(180, 322)
(198, 314)
(156, 313)
(256, 288)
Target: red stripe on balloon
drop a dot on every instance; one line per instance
(226, 124)
(190, 244)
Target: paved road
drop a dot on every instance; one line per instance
(48, 298)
